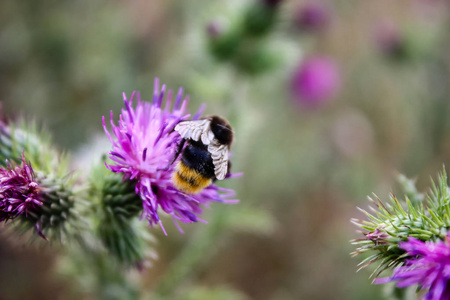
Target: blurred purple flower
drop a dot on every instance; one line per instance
(312, 16)
(215, 29)
(315, 81)
(389, 40)
(144, 144)
(19, 191)
(429, 267)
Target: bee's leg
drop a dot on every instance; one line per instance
(177, 153)
(180, 148)
(229, 168)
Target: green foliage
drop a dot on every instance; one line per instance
(212, 293)
(96, 274)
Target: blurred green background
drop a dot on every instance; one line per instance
(66, 63)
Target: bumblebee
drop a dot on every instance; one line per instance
(205, 157)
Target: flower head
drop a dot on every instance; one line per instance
(19, 191)
(315, 81)
(144, 144)
(312, 17)
(390, 41)
(429, 267)
(215, 29)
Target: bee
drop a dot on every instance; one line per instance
(205, 157)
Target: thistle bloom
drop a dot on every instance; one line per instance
(312, 17)
(429, 267)
(390, 41)
(315, 82)
(143, 147)
(19, 191)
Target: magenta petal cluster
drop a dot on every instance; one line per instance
(19, 191)
(315, 81)
(428, 267)
(143, 147)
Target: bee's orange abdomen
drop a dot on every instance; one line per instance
(189, 180)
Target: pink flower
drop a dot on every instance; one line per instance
(315, 81)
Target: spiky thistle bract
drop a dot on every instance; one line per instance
(390, 223)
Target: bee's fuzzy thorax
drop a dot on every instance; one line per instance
(222, 130)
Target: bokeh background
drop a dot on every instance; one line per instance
(328, 105)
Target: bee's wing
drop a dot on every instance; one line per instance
(219, 154)
(196, 130)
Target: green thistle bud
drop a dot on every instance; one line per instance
(223, 41)
(118, 207)
(261, 17)
(396, 221)
(22, 137)
(255, 58)
(51, 220)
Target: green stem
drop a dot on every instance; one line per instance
(193, 255)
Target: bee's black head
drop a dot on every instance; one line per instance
(222, 130)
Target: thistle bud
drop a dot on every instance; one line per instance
(223, 40)
(34, 183)
(118, 206)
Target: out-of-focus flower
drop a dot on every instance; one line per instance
(315, 81)
(144, 144)
(312, 16)
(261, 17)
(352, 134)
(428, 267)
(215, 29)
(19, 190)
(223, 40)
(390, 41)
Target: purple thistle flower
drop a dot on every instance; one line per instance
(389, 40)
(312, 17)
(215, 29)
(315, 81)
(144, 144)
(19, 191)
(429, 267)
